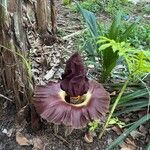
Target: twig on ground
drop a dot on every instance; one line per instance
(6, 98)
(63, 140)
(74, 34)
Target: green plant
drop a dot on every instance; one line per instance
(116, 121)
(113, 6)
(143, 7)
(141, 36)
(114, 107)
(90, 20)
(66, 2)
(91, 5)
(107, 58)
(112, 48)
(130, 96)
(128, 131)
(136, 61)
(132, 101)
(148, 146)
(93, 125)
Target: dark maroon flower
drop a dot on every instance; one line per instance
(53, 102)
(51, 105)
(74, 81)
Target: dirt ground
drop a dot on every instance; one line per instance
(46, 136)
(51, 141)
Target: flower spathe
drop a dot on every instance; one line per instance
(50, 100)
(50, 104)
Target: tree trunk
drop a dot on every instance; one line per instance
(42, 9)
(7, 59)
(53, 16)
(41, 15)
(13, 62)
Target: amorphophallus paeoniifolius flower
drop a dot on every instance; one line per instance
(74, 101)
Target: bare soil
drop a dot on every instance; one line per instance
(51, 141)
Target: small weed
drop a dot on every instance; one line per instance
(143, 8)
(91, 5)
(61, 32)
(141, 36)
(113, 6)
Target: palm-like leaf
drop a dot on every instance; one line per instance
(90, 20)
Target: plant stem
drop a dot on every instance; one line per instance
(148, 145)
(114, 107)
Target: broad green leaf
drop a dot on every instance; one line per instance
(90, 50)
(129, 30)
(133, 95)
(90, 20)
(104, 46)
(138, 101)
(131, 109)
(113, 32)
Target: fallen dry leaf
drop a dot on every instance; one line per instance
(113, 93)
(126, 149)
(135, 134)
(22, 114)
(117, 129)
(22, 140)
(38, 144)
(126, 146)
(88, 138)
(130, 142)
(143, 130)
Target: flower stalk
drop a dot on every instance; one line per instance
(114, 107)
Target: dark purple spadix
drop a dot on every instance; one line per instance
(74, 81)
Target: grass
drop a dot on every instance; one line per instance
(141, 36)
(112, 6)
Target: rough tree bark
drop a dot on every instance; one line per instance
(7, 59)
(53, 16)
(14, 75)
(48, 37)
(42, 15)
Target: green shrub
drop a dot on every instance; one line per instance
(113, 6)
(115, 31)
(91, 5)
(141, 36)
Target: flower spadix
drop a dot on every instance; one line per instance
(74, 101)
